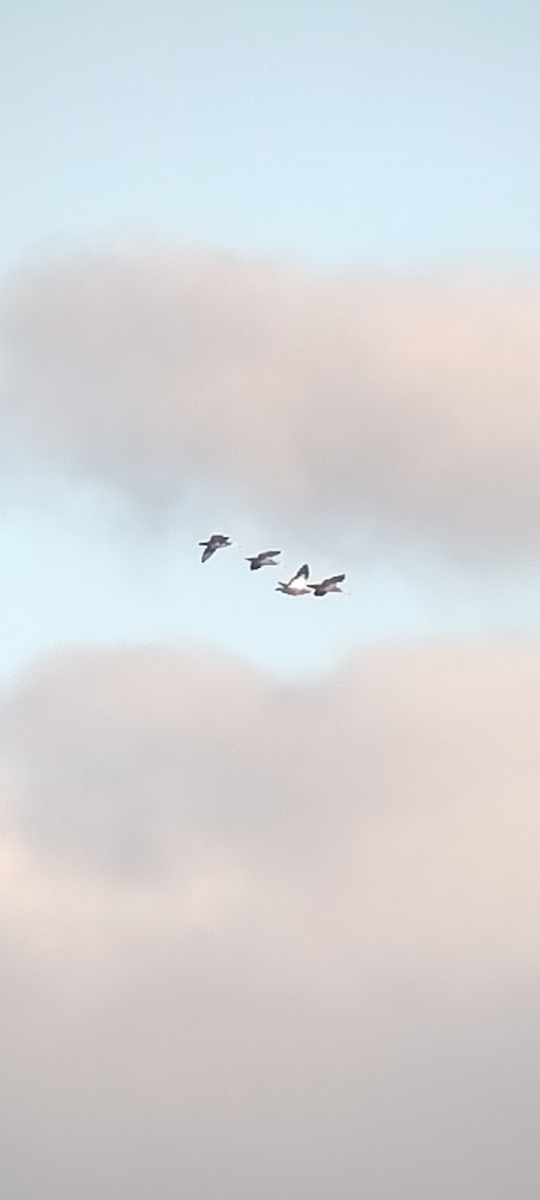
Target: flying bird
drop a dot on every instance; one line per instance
(327, 585)
(267, 558)
(297, 585)
(217, 542)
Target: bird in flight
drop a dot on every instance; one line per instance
(297, 585)
(217, 542)
(267, 558)
(327, 585)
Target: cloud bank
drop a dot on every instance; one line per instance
(405, 404)
(268, 940)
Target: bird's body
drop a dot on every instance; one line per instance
(297, 585)
(327, 585)
(217, 542)
(267, 558)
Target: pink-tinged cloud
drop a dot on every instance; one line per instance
(269, 940)
(401, 403)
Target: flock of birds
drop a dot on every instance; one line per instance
(297, 585)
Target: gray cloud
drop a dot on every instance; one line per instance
(271, 940)
(401, 403)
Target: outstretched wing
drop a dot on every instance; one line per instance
(264, 559)
(214, 543)
(302, 573)
(327, 584)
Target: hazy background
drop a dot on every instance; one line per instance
(269, 867)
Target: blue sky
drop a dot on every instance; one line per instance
(391, 136)
(391, 133)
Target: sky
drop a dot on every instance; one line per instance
(269, 877)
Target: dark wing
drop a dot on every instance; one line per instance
(263, 559)
(329, 583)
(302, 573)
(214, 543)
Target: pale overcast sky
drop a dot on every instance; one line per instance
(269, 898)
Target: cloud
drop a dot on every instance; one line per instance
(271, 939)
(405, 404)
